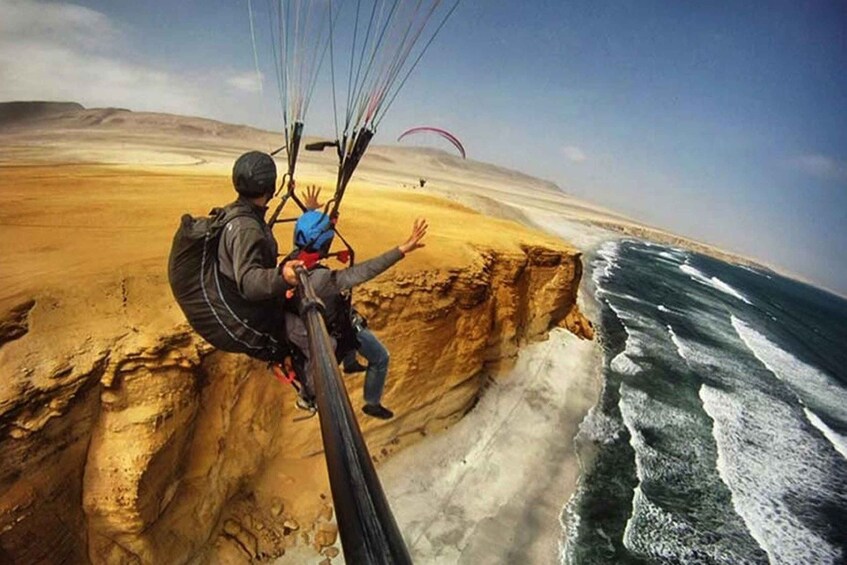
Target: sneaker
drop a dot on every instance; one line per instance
(306, 404)
(378, 411)
(354, 367)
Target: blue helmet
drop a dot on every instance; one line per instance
(313, 232)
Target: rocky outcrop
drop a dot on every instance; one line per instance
(15, 322)
(155, 448)
(576, 323)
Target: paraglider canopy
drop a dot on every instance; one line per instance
(430, 130)
(372, 47)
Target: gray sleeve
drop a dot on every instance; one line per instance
(366, 270)
(255, 281)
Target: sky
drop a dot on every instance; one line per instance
(724, 121)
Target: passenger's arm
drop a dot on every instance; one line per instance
(346, 279)
(366, 270)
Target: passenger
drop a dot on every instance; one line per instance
(313, 237)
(377, 356)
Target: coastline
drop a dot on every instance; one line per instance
(494, 486)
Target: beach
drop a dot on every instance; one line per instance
(492, 488)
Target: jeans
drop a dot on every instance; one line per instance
(377, 355)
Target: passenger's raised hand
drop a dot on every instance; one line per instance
(414, 241)
(310, 198)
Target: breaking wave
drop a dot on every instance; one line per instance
(713, 282)
(606, 262)
(838, 441)
(765, 457)
(812, 386)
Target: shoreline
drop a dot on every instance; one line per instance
(515, 460)
(509, 447)
(518, 446)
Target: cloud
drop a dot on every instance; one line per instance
(821, 166)
(64, 23)
(65, 52)
(51, 51)
(246, 82)
(574, 153)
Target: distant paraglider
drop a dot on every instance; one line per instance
(429, 130)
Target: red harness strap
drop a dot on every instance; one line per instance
(309, 259)
(282, 376)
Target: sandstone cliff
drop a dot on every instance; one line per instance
(125, 437)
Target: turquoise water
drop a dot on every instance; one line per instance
(721, 434)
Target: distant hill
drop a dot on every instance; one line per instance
(71, 115)
(71, 120)
(11, 112)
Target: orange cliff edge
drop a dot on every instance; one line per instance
(124, 434)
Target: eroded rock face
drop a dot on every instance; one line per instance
(15, 323)
(576, 323)
(125, 438)
(138, 454)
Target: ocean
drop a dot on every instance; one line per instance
(721, 432)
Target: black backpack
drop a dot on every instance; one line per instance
(210, 301)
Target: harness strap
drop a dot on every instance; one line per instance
(285, 378)
(289, 377)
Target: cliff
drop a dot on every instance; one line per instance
(125, 437)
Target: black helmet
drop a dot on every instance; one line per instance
(254, 174)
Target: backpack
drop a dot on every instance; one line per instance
(210, 301)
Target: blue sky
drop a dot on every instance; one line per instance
(722, 121)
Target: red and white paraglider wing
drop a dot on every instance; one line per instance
(437, 131)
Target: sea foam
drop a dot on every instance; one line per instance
(680, 347)
(662, 537)
(838, 441)
(766, 459)
(624, 365)
(812, 386)
(606, 262)
(639, 411)
(696, 355)
(653, 532)
(669, 255)
(665, 539)
(598, 427)
(714, 282)
(624, 362)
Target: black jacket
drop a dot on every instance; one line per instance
(251, 281)
(247, 255)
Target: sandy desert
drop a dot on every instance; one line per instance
(129, 436)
